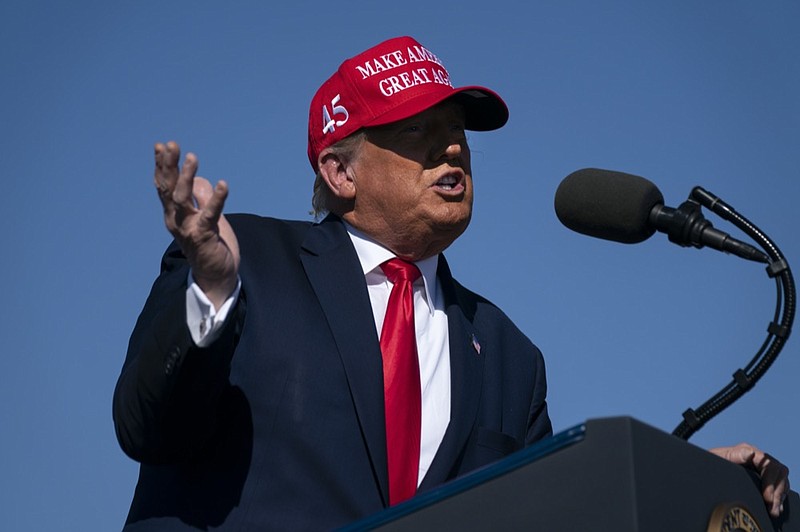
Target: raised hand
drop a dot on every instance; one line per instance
(193, 214)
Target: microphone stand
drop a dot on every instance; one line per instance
(777, 332)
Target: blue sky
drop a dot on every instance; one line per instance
(683, 93)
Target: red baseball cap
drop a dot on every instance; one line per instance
(392, 81)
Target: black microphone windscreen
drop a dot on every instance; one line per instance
(606, 204)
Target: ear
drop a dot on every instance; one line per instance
(337, 175)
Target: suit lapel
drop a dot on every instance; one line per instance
(466, 375)
(334, 272)
(333, 269)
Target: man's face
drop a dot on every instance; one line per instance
(413, 182)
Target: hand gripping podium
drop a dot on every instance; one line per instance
(608, 474)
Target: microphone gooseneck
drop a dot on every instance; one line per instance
(629, 209)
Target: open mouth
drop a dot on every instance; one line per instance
(450, 182)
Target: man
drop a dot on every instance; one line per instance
(267, 383)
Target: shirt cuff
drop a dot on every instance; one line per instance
(204, 321)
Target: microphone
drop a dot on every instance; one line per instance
(630, 209)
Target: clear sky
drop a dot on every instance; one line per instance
(684, 93)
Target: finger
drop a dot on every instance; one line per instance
(783, 492)
(212, 208)
(775, 485)
(742, 454)
(182, 194)
(166, 168)
(774, 481)
(775, 495)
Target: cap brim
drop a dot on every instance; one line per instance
(484, 109)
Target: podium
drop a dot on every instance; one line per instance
(607, 474)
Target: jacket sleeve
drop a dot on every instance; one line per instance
(539, 425)
(166, 398)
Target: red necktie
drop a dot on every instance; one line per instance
(402, 396)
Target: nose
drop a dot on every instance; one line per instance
(448, 145)
(453, 150)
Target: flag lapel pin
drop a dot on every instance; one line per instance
(476, 345)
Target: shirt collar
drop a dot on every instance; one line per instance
(371, 255)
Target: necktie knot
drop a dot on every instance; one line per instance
(397, 270)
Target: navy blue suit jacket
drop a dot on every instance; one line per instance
(279, 424)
